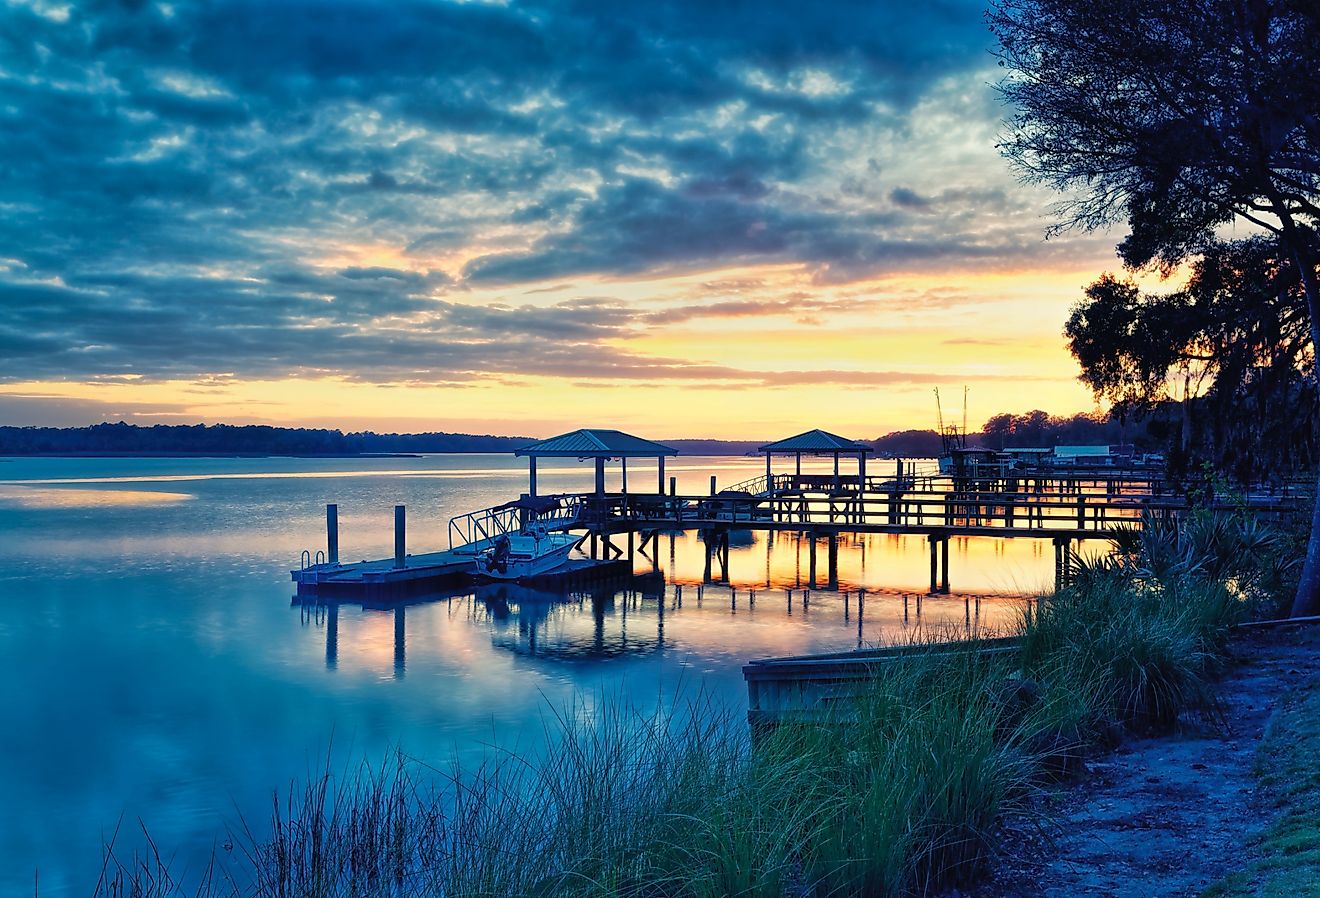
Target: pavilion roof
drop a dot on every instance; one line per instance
(816, 441)
(593, 443)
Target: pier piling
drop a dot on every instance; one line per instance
(332, 534)
(400, 537)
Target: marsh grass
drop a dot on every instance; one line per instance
(899, 794)
(899, 790)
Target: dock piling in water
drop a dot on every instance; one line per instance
(400, 537)
(332, 534)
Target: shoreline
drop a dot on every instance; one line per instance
(1173, 814)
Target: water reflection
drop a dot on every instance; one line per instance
(648, 616)
(38, 497)
(158, 671)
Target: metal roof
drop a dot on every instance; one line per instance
(816, 441)
(591, 443)
(1079, 451)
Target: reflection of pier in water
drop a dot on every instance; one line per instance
(582, 626)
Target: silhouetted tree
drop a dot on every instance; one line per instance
(1234, 343)
(1177, 116)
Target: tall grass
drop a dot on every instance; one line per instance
(898, 791)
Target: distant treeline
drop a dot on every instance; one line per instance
(226, 439)
(1032, 429)
(254, 439)
(1035, 428)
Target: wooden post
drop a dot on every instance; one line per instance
(332, 534)
(861, 473)
(600, 477)
(660, 480)
(768, 482)
(400, 537)
(836, 470)
(673, 486)
(712, 484)
(531, 475)
(832, 565)
(944, 559)
(797, 472)
(934, 565)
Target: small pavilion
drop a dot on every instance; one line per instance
(601, 445)
(818, 443)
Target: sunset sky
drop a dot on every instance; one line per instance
(682, 220)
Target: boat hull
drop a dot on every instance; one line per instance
(543, 559)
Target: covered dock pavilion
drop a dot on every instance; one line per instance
(601, 446)
(817, 443)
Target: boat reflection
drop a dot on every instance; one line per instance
(577, 625)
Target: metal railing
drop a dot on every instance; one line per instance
(1021, 513)
(478, 528)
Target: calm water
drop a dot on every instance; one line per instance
(157, 667)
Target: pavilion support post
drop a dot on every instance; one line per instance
(623, 464)
(332, 534)
(836, 470)
(600, 477)
(531, 475)
(400, 536)
(768, 482)
(660, 480)
(712, 484)
(797, 471)
(673, 486)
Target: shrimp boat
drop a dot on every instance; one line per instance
(528, 553)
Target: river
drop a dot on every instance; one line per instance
(158, 668)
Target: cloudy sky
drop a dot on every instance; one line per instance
(682, 219)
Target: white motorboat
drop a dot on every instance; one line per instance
(533, 551)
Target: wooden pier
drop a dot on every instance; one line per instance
(1065, 507)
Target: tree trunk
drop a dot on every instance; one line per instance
(1307, 600)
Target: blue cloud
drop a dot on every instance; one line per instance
(161, 165)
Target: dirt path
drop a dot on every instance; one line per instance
(1167, 816)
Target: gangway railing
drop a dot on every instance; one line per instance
(478, 528)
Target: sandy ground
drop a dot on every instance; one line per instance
(1164, 816)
